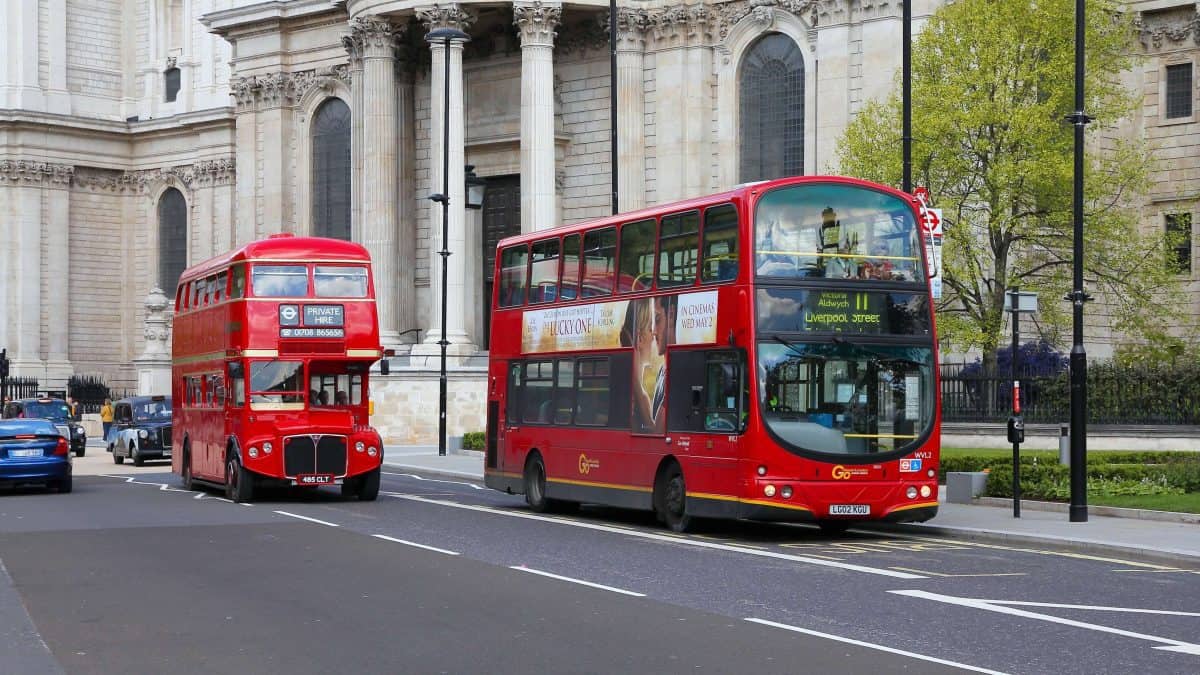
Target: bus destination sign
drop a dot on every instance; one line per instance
(311, 321)
(791, 310)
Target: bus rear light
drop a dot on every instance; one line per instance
(762, 469)
(769, 491)
(267, 447)
(253, 452)
(786, 492)
(358, 446)
(372, 451)
(925, 491)
(911, 492)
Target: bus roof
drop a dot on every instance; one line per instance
(282, 247)
(738, 192)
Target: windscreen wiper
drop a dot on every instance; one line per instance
(876, 355)
(795, 349)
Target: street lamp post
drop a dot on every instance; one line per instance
(447, 35)
(1078, 510)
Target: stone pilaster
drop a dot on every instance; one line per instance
(631, 108)
(441, 90)
(535, 23)
(377, 39)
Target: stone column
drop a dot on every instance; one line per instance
(406, 266)
(154, 364)
(631, 109)
(447, 16)
(245, 95)
(376, 38)
(683, 101)
(56, 285)
(536, 22)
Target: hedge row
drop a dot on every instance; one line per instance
(473, 440)
(1161, 473)
(1050, 457)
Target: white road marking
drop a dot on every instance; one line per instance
(474, 486)
(411, 543)
(993, 606)
(664, 538)
(868, 645)
(581, 582)
(1096, 608)
(311, 520)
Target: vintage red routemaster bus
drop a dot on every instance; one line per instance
(272, 349)
(765, 353)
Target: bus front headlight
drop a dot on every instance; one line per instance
(267, 447)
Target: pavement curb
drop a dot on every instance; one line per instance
(1095, 510)
(1085, 546)
(440, 473)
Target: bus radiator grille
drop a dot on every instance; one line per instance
(331, 455)
(314, 454)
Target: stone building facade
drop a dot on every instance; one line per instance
(138, 136)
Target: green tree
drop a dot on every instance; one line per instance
(992, 83)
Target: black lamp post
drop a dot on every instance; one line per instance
(1078, 511)
(906, 96)
(446, 36)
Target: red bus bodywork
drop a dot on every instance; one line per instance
(227, 335)
(741, 471)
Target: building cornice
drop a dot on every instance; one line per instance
(205, 173)
(24, 172)
(227, 21)
(276, 90)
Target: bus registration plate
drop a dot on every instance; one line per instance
(314, 479)
(849, 509)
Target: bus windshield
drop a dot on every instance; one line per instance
(836, 231)
(279, 281)
(845, 398)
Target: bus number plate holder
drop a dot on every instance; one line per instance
(849, 509)
(314, 479)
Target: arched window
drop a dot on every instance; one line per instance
(171, 83)
(331, 170)
(771, 110)
(172, 239)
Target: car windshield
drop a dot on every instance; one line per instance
(50, 410)
(151, 411)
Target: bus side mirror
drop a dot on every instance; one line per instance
(385, 366)
(697, 398)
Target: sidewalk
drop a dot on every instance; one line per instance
(1173, 542)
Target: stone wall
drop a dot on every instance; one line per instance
(406, 404)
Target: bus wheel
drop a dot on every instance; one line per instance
(368, 486)
(239, 484)
(535, 484)
(670, 500)
(833, 526)
(137, 459)
(185, 469)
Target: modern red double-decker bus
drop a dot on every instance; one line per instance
(272, 348)
(766, 353)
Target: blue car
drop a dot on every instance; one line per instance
(33, 451)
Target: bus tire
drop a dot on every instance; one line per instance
(239, 483)
(670, 499)
(185, 469)
(368, 486)
(535, 484)
(137, 459)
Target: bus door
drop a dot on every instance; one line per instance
(707, 413)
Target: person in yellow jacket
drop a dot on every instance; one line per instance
(106, 416)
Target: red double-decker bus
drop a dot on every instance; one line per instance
(766, 353)
(273, 344)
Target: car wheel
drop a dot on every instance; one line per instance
(137, 459)
(239, 484)
(80, 451)
(670, 500)
(117, 459)
(63, 486)
(368, 486)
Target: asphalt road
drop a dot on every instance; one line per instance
(130, 574)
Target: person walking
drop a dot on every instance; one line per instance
(106, 416)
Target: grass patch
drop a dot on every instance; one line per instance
(1185, 503)
(1000, 453)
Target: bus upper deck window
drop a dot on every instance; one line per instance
(543, 279)
(637, 255)
(237, 286)
(568, 289)
(599, 262)
(720, 254)
(279, 281)
(340, 282)
(514, 272)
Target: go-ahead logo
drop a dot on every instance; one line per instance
(586, 464)
(841, 473)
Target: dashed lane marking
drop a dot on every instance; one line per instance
(684, 541)
(414, 544)
(311, 520)
(581, 582)
(164, 487)
(869, 645)
(1001, 607)
(943, 574)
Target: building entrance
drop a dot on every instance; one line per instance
(501, 218)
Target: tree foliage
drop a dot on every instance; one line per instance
(992, 83)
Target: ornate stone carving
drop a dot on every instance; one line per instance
(582, 36)
(1173, 26)
(536, 22)
(107, 180)
(764, 12)
(684, 26)
(374, 36)
(157, 326)
(284, 89)
(632, 25)
(445, 16)
(35, 173)
(216, 172)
